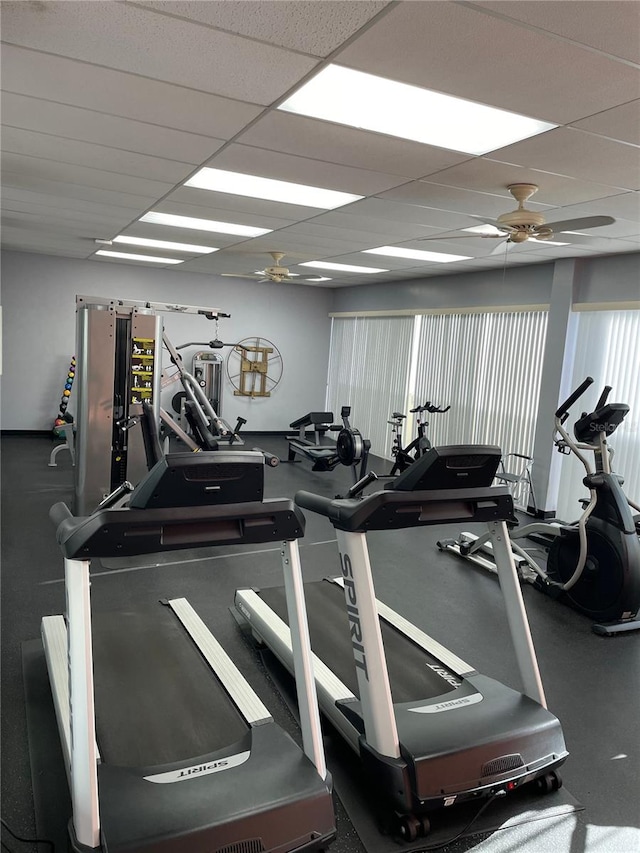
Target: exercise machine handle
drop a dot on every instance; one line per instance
(316, 503)
(603, 397)
(362, 484)
(270, 459)
(59, 512)
(563, 408)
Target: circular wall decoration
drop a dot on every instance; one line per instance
(254, 367)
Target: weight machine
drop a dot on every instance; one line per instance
(119, 368)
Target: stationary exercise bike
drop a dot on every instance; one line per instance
(593, 564)
(404, 456)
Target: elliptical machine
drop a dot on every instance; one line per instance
(593, 564)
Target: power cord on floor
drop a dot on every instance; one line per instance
(25, 840)
(464, 829)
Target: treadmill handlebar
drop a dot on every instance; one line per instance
(127, 532)
(59, 512)
(389, 510)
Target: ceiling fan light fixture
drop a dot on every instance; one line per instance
(269, 189)
(368, 102)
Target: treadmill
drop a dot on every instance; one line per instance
(180, 753)
(430, 730)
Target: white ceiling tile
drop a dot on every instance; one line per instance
(621, 122)
(454, 199)
(45, 242)
(50, 170)
(70, 227)
(315, 28)
(621, 206)
(356, 239)
(490, 176)
(62, 80)
(56, 149)
(462, 51)
(302, 170)
(388, 210)
(63, 204)
(350, 221)
(577, 154)
(611, 26)
(308, 137)
(111, 34)
(97, 217)
(90, 126)
(24, 180)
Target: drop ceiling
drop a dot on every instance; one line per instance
(109, 107)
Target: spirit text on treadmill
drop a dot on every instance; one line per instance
(203, 769)
(354, 615)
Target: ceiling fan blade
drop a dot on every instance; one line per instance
(488, 221)
(237, 275)
(465, 237)
(505, 246)
(579, 224)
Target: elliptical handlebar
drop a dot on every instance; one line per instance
(563, 409)
(603, 397)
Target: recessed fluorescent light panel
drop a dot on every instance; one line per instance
(325, 265)
(149, 259)
(165, 244)
(269, 189)
(203, 224)
(365, 101)
(417, 254)
(319, 278)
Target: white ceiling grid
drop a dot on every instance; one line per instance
(108, 107)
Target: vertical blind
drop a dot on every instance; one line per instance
(486, 366)
(608, 349)
(368, 370)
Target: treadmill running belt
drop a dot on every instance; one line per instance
(410, 677)
(157, 701)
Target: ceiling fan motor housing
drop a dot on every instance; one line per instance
(277, 272)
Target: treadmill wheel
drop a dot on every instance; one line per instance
(409, 827)
(549, 783)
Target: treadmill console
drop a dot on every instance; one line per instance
(458, 466)
(201, 479)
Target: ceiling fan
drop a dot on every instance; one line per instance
(275, 273)
(521, 224)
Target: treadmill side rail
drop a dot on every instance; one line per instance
(245, 699)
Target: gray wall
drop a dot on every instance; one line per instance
(521, 286)
(614, 278)
(38, 297)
